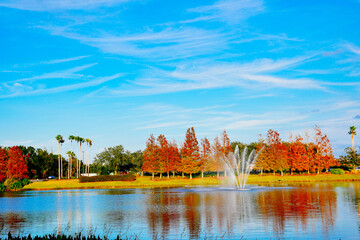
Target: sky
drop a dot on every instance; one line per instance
(116, 71)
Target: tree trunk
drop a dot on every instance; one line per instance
(352, 141)
(183, 174)
(152, 176)
(161, 175)
(168, 176)
(225, 173)
(202, 174)
(282, 173)
(261, 171)
(190, 175)
(59, 172)
(70, 167)
(173, 174)
(274, 172)
(61, 162)
(217, 174)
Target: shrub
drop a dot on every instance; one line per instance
(25, 182)
(338, 171)
(106, 178)
(16, 185)
(2, 187)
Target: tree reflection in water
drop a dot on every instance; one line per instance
(233, 212)
(298, 207)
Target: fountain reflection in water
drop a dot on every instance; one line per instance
(240, 167)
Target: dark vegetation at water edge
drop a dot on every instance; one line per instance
(107, 178)
(62, 237)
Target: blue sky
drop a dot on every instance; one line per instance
(117, 71)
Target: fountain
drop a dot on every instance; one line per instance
(240, 167)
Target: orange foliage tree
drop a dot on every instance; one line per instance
(16, 166)
(3, 164)
(151, 156)
(175, 159)
(217, 163)
(190, 157)
(205, 155)
(276, 152)
(296, 155)
(324, 157)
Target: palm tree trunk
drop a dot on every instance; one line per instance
(70, 161)
(61, 161)
(77, 162)
(59, 167)
(352, 140)
(80, 162)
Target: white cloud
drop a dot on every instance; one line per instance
(167, 44)
(55, 61)
(230, 11)
(258, 74)
(67, 73)
(65, 88)
(56, 5)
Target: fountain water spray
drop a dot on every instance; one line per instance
(240, 167)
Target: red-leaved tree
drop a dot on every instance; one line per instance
(205, 155)
(16, 166)
(151, 156)
(324, 157)
(190, 157)
(3, 164)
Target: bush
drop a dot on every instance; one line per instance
(338, 171)
(2, 187)
(106, 178)
(25, 182)
(16, 185)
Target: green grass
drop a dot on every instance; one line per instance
(146, 182)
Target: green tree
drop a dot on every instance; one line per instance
(352, 132)
(115, 159)
(351, 157)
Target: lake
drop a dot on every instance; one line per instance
(301, 211)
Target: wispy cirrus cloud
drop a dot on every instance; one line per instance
(58, 5)
(64, 88)
(56, 61)
(229, 11)
(166, 44)
(262, 73)
(67, 73)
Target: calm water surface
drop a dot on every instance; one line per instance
(305, 211)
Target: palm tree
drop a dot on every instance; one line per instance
(77, 139)
(61, 159)
(59, 138)
(71, 138)
(71, 156)
(88, 145)
(352, 132)
(81, 140)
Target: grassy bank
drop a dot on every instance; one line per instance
(146, 182)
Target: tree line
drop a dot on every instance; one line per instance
(164, 157)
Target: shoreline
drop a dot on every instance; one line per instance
(146, 182)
